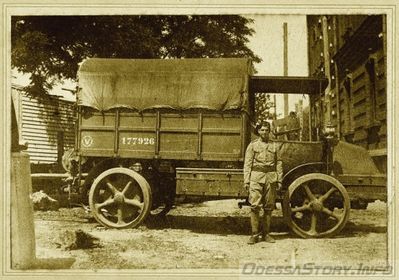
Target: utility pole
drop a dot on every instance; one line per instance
(326, 54)
(285, 65)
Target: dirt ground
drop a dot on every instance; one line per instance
(210, 235)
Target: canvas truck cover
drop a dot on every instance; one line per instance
(218, 84)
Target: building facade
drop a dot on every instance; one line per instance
(350, 51)
(45, 126)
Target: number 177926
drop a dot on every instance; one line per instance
(138, 141)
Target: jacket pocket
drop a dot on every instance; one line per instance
(269, 154)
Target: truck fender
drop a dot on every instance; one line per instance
(302, 169)
(97, 170)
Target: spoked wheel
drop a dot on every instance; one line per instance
(316, 205)
(120, 198)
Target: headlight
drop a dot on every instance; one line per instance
(329, 130)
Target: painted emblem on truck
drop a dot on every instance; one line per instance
(87, 141)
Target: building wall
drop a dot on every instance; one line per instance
(350, 50)
(358, 111)
(339, 29)
(46, 125)
(354, 43)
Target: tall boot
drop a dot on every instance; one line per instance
(262, 228)
(267, 219)
(254, 227)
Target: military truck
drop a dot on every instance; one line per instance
(150, 131)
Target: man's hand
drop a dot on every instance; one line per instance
(279, 186)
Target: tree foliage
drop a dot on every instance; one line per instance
(50, 48)
(264, 107)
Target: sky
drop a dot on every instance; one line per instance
(23, 80)
(267, 42)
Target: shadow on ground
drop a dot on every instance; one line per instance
(362, 229)
(213, 225)
(240, 225)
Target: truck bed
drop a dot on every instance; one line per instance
(164, 135)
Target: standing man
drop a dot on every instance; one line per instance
(293, 126)
(262, 172)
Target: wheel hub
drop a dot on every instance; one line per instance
(316, 205)
(119, 198)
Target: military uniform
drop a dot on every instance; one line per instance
(262, 171)
(293, 123)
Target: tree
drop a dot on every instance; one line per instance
(50, 48)
(264, 107)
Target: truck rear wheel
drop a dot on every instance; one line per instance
(120, 198)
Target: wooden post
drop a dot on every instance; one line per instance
(285, 65)
(60, 147)
(23, 247)
(311, 104)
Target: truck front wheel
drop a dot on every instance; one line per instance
(316, 205)
(120, 198)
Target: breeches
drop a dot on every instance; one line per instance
(262, 196)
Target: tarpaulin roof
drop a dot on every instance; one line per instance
(210, 83)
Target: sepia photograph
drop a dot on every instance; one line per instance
(216, 140)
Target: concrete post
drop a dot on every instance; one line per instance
(23, 247)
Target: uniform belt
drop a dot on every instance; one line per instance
(264, 169)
